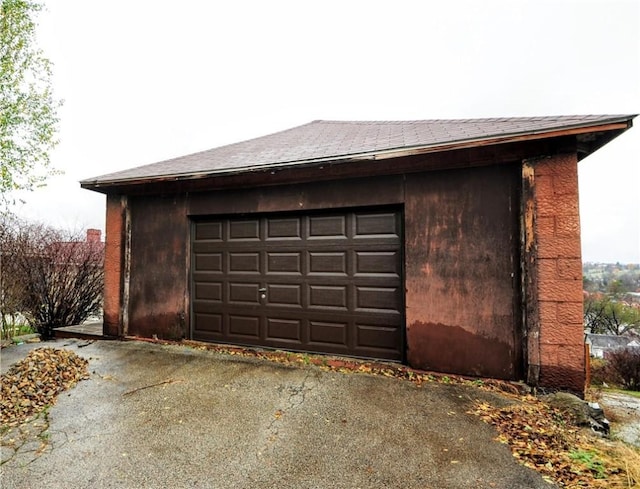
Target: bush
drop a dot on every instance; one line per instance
(599, 374)
(624, 366)
(53, 278)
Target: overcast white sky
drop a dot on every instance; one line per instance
(144, 81)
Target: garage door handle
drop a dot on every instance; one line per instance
(263, 293)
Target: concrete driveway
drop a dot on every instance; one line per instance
(223, 421)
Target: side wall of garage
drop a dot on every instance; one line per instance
(158, 303)
(462, 272)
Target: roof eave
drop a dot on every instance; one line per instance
(613, 127)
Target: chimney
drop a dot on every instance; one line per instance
(94, 235)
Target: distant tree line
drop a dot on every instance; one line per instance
(611, 278)
(612, 298)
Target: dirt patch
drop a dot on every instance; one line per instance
(623, 410)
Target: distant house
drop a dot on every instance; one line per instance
(450, 245)
(91, 250)
(599, 344)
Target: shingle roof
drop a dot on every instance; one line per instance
(344, 140)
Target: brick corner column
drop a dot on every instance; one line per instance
(558, 272)
(114, 265)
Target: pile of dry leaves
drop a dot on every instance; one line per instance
(543, 438)
(33, 383)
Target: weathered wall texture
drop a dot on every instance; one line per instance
(461, 254)
(559, 273)
(113, 264)
(159, 264)
(308, 196)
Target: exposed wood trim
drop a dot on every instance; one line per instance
(528, 265)
(126, 272)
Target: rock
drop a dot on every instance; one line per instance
(598, 421)
(582, 413)
(570, 404)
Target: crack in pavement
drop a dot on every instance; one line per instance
(297, 394)
(28, 437)
(296, 398)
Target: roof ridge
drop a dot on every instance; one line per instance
(473, 120)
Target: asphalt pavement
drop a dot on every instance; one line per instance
(169, 416)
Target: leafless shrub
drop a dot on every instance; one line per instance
(53, 277)
(624, 365)
(11, 286)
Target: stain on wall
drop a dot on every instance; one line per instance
(462, 265)
(158, 284)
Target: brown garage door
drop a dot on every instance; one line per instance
(329, 282)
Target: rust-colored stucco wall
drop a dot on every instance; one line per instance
(113, 264)
(559, 273)
(461, 255)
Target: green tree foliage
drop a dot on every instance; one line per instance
(606, 315)
(28, 109)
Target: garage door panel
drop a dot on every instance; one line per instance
(210, 291)
(367, 225)
(245, 326)
(284, 330)
(378, 337)
(285, 295)
(327, 263)
(378, 263)
(244, 230)
(377, 298)
(327, 227)
(243, 262)
(243, 293)
(328, 333)
(284, 262)
(328, 296)
(287, 229)
(323, 282)
(209, 231)
(210, 262)
(209, 323)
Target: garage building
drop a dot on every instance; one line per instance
(450, 245)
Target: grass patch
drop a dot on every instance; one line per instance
(544, 439)
(626, 459)
(13, 330)
(635, 394)
(591, 461)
